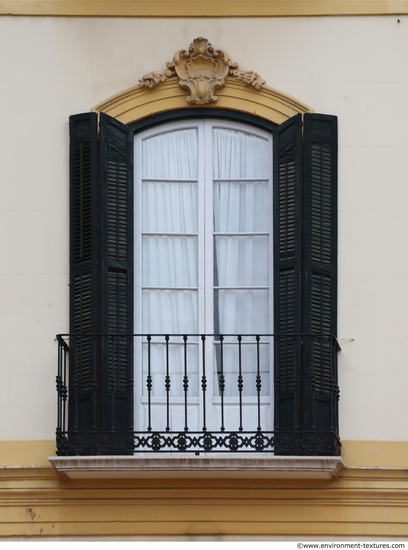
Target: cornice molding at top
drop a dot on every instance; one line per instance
(197, 8)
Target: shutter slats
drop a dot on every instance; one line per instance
(287, 218)
(320, 268)
(305, 256)
(84, 264)
(287, 272)
(117, 272)
(82, 201)
(101, 171)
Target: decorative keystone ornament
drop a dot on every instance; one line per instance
(201, 70)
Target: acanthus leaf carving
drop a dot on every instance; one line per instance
(202, 70)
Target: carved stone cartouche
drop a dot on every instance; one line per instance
(201, 70)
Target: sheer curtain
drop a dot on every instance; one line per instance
(169, 253)
(240, 168)
(241, 251)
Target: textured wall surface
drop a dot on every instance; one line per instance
(351, 67)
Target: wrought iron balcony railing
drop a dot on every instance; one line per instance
(127, 393)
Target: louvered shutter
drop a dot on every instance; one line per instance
(84, 277)
(116, 246)
(101, 286)
(320, 273)
(287, 220)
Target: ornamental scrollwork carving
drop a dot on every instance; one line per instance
(202, 70)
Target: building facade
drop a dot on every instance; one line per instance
(248, 184)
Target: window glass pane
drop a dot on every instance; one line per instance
(172, 155)
(239, 155)
(248, 368)
(169, 311)
(169, 261)
(170, 207)
(176, 369)
(241, 261)
(241, 207)
(241, 311)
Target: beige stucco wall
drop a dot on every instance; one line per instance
(353, 67)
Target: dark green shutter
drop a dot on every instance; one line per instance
(116, 176)
(84, 277)
(320, 271)
(305, 284)
(287, 274)
(101, 284)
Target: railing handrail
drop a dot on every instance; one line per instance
(178, 334)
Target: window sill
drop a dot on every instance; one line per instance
(154, 466)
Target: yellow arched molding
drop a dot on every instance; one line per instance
(140, 102)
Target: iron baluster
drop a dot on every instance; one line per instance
(240, 381)
(64, 396)
(204, 384)
(276, 352)
(222, 382)
(167, 383)
(59, 388)
(75, 384)
(130, 376)
(336, 347)
(185, 384)
(258, 381)
(149, 384)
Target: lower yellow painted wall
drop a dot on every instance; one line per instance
(367, 500)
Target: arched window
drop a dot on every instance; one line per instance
(299, 278)
(203, 233)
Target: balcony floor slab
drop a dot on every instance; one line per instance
(221, 466)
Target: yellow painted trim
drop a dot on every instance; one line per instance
(26, 453)
(356, 454)
(202, 8)
(375, 454)
(137, 103)
(364, 502)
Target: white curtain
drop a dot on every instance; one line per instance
(170, 254)
(172, 155)
(170, 210)
(241, 207)
(241, 260)
(239, 155)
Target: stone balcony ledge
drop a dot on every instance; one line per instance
(221, 466)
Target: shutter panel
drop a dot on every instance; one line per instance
(84, 305)
(101, 286)
(287, 278)
(116, 245)
(320, 274)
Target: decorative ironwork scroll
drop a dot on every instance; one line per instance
(202, 70)
(289, 443)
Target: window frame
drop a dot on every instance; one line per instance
(205, 283)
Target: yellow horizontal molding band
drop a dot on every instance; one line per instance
(198, 8)
(356, 454)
